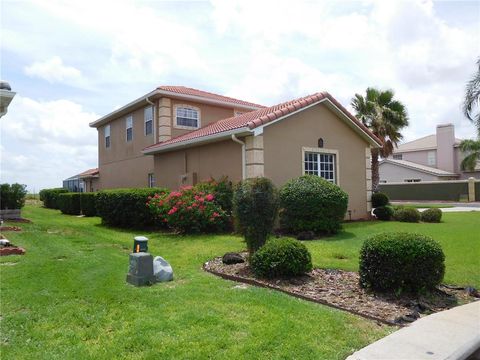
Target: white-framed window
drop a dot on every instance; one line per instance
(187, 117)
(148, 118)
(107, 135)
(129, 128)
(397, 156)
(151, 180)
(432, 158)
(320, 164)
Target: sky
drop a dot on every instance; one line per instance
(71, 62)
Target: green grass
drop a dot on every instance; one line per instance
(67, 299)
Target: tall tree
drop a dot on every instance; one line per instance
(385, 117)
(472, 112)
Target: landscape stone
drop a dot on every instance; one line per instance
(162, 270)
(232, 258)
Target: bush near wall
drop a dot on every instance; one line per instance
(401, 262)
(50, 196)
(127, 208)
(384, 213)
(311, 203)
(379, 199)
(432, 215)
(407, 214)
(12, 196)
(88, 203)
(221, 189)
(77, 203)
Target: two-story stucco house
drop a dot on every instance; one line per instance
(431, 158)
(176, 136)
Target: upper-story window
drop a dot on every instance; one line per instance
(129, 127)
(431, 158)
(397, 156)
(148, 117)
(107, 135)
(187, 117)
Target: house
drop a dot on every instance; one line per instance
(435, 157)
(200, 135)
(86, 181)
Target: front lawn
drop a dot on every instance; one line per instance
(67, 297)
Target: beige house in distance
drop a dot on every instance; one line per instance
(197, 135)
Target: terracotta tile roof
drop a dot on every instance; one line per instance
(182, 90)
(254, 119)
(89, 172)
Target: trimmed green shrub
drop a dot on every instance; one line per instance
(69, 203)
(221, 189)
(407, 214)
(12, 196)
(281, 257)
(255, 207)
(384, 213)
(88, 203)
(401, 262)
(311, 203)
(49, 197)
(432, 215)
(379, 199)
(127, 208)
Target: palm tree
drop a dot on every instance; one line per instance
(472, 148)
(385, 117)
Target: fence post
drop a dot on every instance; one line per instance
(471, 189)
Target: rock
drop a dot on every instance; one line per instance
(4, 242)
(306, 235)
(162, 271)
(471, 291)
(232, 258)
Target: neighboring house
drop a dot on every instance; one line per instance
(212, 136)
(86, 181)
(435, 157)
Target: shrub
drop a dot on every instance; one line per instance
(255, 207)
(12, 196)
(407, 214)
(189, 211)
(88, 203)
(311, 203)
(126, 207)
(50, 196)
(69, 203)
(383, 212)
(221, 189)
(400, 262)
(432, 215)
(379, 199)
(281, 257)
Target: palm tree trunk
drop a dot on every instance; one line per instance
(375, 174)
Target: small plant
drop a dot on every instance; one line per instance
(379, 199)
(281, 257)
(407, 214)
(384, 213)
(398, 262)
(432, 215)
(311, 203)
(50, 196)
(12, 196)
(255, 206)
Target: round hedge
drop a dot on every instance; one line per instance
(383, 212)
(432, 215)
(379, 199)
(407, 214)
(311, 203)
(281, 258)
(401, 262)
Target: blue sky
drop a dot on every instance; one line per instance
(71, 62)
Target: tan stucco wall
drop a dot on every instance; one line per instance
(199, 163)
(418, 157)
(283, 142)
(126, 173)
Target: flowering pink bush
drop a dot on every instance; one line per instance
(189, 210)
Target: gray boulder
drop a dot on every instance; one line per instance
(162, 271)
(232, 258)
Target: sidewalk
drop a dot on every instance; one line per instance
(451, 334)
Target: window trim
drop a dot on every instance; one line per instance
(105, 136)
(323, 151)
(397, 156)
(175, 124)
(145, 120)
(151, 180)
(128, 117)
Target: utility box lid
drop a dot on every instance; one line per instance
(140, 238)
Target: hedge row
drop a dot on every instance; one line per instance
(50, 197)
(77, 203)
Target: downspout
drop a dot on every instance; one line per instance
(234, 138)
(154, 125)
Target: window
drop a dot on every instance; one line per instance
(148, 117)
(431, 158)
(129, 123)
(397, 156)
(151, 180)
(187, 117)
(107, 136)
(320, 164)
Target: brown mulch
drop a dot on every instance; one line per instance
(20, 220)
(10, 228)
(340, 289)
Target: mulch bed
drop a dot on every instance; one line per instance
(20, 220)
(340, 289)
(10, 228)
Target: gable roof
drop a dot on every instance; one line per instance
(428, 142)
(177, 92)
(248, 122)
(422, 168)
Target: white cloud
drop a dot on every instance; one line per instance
(54, 70)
